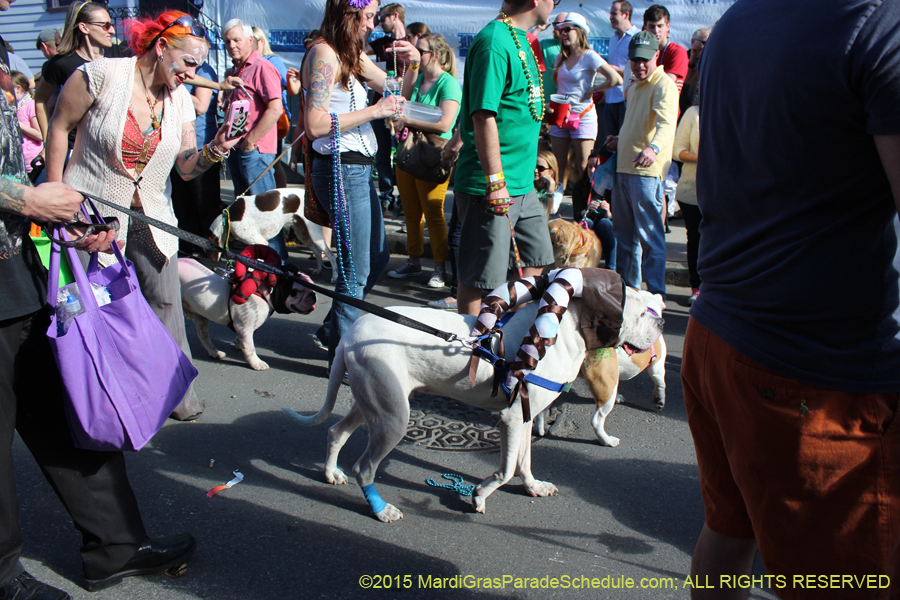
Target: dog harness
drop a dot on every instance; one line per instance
(555, 289)
(245, 281)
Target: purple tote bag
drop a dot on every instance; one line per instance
(123, 372)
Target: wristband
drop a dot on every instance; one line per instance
(496, 187)
(654, 148)
(413, 66)
(495, 177)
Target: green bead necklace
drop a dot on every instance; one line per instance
(532, 95)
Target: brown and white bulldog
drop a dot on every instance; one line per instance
(603, 369)
(574, 245)
(256, 219)
(206, 297)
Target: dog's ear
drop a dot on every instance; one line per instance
(662, 302)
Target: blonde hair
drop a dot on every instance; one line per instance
(550, 159)
(264, 48)
(441, 52)
(79, 12)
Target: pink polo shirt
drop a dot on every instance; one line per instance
(263, 83)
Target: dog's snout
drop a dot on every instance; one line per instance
(662, 322)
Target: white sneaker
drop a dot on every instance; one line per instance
(437, 278)
(407, 270)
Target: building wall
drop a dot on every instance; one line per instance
(25, 19)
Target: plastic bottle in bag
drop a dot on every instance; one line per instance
(67, 310)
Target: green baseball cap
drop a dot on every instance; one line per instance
(643, 46)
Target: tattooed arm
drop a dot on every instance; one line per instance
(190, 161)
(321, 72)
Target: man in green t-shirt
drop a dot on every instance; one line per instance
(501, 114)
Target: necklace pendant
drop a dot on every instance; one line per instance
(523, 57)
(156, 122)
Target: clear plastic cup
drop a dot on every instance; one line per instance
(422, 112)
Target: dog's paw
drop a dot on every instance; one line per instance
(479, 502)
(609, 440)
(659, 402)
(620, 399)
(541, 489)
(336, 477)
(258, 365)
(217, 355)
(389, 514)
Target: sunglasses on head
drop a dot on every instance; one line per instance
(194, 27)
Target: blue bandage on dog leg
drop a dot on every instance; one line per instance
(373, 498)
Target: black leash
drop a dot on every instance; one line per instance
(266, 268)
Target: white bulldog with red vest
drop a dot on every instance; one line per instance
(207, 297)
(604, 368)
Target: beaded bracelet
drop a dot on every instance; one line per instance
(210, 156)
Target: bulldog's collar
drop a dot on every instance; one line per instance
(652, 312)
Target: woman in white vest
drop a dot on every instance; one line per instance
(135, 122)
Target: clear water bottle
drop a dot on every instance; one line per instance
(392, 87)
(66, 312)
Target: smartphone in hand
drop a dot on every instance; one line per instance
(238, 113)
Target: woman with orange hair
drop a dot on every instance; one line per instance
(135, 122)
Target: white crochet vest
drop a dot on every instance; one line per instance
(96, 165)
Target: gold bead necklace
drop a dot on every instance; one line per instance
(532, 94)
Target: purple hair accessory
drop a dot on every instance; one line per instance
(359, 3)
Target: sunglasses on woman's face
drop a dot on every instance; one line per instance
(105, 25)
(565, 30)
(195, 29)
(541, 169)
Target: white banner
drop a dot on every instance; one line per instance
(289, 21)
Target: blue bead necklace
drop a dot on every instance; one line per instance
(339, 210)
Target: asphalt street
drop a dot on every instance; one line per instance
(624, 516)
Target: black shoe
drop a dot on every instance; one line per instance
(154, 556)
(26, 587)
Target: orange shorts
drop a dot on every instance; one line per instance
(812, 474)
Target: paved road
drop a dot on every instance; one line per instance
(622, 513)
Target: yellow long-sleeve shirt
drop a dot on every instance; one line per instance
(650, 118)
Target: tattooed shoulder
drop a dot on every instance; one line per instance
(321, 68)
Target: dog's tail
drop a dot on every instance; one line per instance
(338, 368)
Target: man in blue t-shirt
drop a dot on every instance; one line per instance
(791, 364)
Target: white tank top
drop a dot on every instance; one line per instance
(357, 139)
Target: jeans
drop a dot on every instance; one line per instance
(637, 203)
(369, 247)
(245, 167)
(604, 230)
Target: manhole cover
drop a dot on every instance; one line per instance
(444, 424)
